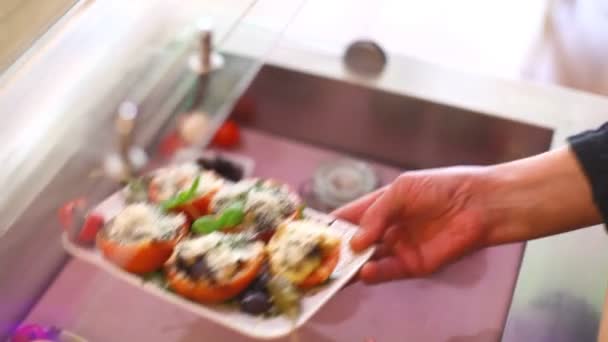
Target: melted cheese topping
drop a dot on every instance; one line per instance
(291, 248)
(272, 198)
(222, 252)
(230, 193)
(172, 180)
(141, 221)
(263, 200)
(266, 204)
(209, 181)
(265, 208)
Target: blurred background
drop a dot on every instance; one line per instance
(309, 92)
(553, 41)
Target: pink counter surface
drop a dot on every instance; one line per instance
(467, 301)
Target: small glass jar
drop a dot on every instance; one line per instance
(338, 182)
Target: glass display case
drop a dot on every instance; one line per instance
(217, 78)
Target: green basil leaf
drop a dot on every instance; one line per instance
(233, 215)
(182, 197)
(169, 204)
(205, 225)
(300, 212)
(194, 187)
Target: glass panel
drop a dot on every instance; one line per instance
(137, 55)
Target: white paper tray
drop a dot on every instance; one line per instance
(252, 326)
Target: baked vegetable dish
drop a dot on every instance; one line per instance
(209, 240)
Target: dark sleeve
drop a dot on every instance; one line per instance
(591, 149)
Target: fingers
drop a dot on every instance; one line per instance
(353, 211)
(377, 219)
(410, 257)
(382, 251)
(392, 234)
(389, 268)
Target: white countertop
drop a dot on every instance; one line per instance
(491, 88)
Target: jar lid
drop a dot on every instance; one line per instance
(338, 182)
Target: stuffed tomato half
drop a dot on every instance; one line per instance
(303, 252)
(141, 238)
(250, 206)
(214, 267)
(184, 188)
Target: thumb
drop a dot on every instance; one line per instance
(377, 219)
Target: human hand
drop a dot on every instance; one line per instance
(421, 221)
(427, 218)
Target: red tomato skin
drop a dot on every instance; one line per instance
(203, 291)
(93, 223)
(228, 135)
(66, 211)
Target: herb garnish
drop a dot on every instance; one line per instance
(232, 216)
(182, 197)
(300, 212)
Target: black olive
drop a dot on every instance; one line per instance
(200, 269)
(223, 167)
(255, 302)
(230, 170)
(259, 284)
(181, 264)
(316, 252)
(206, 163)
(264, 275)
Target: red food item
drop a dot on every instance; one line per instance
(92, 224)
(228, 135)
(170, 144)
(193, 209)
(66, 212)
(204, 291)
(138, 257)
(197, 207)
(323, 272)
(80, 226)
